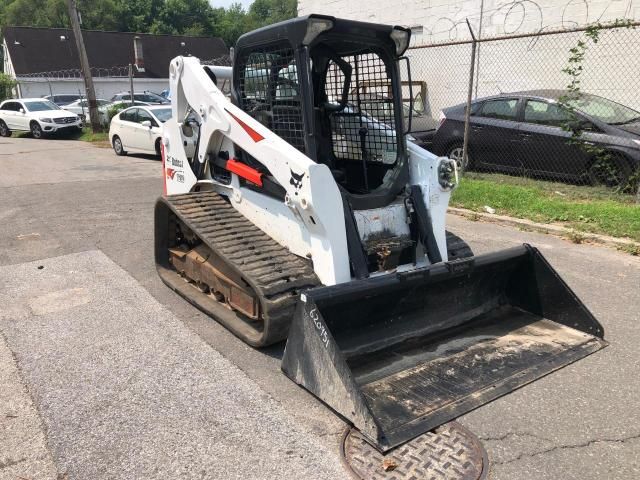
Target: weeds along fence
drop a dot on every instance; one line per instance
(555, 105)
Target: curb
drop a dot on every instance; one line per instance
(552, 229)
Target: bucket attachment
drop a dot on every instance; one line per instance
(400, 354)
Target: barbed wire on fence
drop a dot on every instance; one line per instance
(118, 71)
(222, 61)
(524, 17)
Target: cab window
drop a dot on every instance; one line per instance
(501, 109)
(143, 115)
(11, 106)
(545, 113)
(129, 115)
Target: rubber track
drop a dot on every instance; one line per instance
(275, 274)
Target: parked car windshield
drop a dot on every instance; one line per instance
(40, 105)
(605, 110)
(162, 114)
(152, 97)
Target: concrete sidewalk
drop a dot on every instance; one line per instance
(126, 391)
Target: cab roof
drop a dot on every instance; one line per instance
(295, 30)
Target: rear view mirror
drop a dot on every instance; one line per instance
(22, 110)
(146, 123)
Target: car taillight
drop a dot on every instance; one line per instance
(441, 119)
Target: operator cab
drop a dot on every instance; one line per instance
(331, 88)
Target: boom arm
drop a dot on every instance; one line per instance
(313, 207)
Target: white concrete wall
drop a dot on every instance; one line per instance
(105, 87)
(444, 20)
(612, 67)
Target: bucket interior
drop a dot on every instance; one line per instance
(425, 351)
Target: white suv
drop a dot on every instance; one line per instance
(35, 115)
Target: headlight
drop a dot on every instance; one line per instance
(46, 120)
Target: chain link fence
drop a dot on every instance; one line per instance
(112, 85)
(107, 80)
(554, 106)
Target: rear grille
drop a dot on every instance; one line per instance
(64, 120)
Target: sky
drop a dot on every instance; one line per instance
(226, 3)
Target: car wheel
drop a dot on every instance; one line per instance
(455, 152)
(611, 171)
(4, 130)
(118, 147)
(36, 130)
(158, 151)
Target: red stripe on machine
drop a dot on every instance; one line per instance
(245, 171)
(255, 136)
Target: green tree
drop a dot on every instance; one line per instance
(98, 14)
(36, 13)
(231, 23)
(6, 85)
(184, 17)
(266, 12)
(137, 16)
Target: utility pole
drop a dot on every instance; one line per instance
(478, 51)
(467, 113)
(131, 83)
(84, 66)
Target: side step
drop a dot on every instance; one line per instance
(399, 355)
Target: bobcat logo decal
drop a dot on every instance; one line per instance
(296, 180)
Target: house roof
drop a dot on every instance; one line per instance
(33, 50)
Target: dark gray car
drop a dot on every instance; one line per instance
(530, 133)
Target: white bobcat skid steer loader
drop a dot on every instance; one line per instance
(300, 210)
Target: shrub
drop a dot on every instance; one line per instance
(6, 86)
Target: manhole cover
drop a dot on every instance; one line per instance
(449, 452)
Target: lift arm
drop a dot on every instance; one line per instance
(312, 194)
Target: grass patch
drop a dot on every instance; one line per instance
(630, 249)
(582, 208)
(87, 135)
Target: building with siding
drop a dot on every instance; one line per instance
(45, 60)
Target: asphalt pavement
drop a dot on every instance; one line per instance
(106, 373)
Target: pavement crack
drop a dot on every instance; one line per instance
(513, 434)
(328, 434)
(586, 444)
